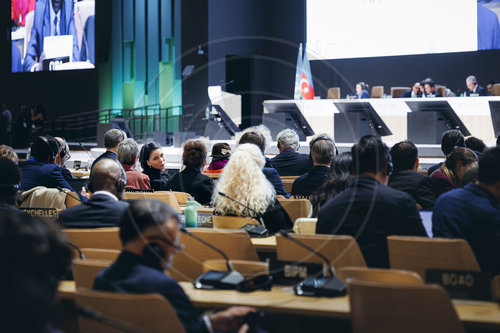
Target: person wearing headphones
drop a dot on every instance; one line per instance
(323, 150)
(105, 208)
(112, 139)
(362, 90)
(149, 232)
(62, 156)
(289, 162)
(40, 169)
(368, 209)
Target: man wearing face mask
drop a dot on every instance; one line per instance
(149, 231)
(104, 208)
(52, 18)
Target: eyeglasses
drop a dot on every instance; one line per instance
(178, 247)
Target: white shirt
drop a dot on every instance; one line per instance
(109, 194)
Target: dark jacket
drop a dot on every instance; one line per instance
(291, 163)
(107, 154)
(471, 213)
(480, 91)
(158, 179)
(131, 273)
(276, 218)
(306, 184)
(275, 180)
(434, 168)
(192, 181)
(441, 182)
(370, 212)
(34, 173)
(99, 211)
(420, 187)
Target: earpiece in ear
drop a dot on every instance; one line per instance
(153, 253)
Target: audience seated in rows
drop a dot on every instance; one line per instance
(368, 210)
(8, 152)
(476, 145)
(34, 258)
(153, 165)
(449, 140)
(289, 162)
(10, 177)
(339, 177)
(104, 208)
(112, 139)
(322, 150)
(40, 169)
(473, 213)
(221, 152)
(244, 181)
(269, 171)
(149, 232)
(405, 176)
(127, 154)
(191, 180)
(450, 175)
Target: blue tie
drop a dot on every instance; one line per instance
(55, 26)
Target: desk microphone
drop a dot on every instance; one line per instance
(76, 248)
(68, 193)
(92, 314)
(216, 279)
(328, 286)
(90, 156)
(251, 229)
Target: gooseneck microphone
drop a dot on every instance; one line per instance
(328, 286)
(76, 248)
(68, 193)
(204, 242)
(216, 279)
(243, 205)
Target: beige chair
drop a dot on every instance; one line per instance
(245, 267)
(213, 175)
(71, 201)
(95, 238)
(340, 250)
(397, 92)
(232, 222)
(417, 254)
(188, 264)
(164, 196)
(149, 313)
(495, 288)
(305, 226)
(390, 308)
(181, 197)
(496, 89)
(288, 182)
(100, 254)
(379, 275)
(85, 271)
(333, 93)
(441, 90)
(377, 92)
(296, 208)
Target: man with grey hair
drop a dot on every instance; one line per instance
(473, 88)
(112, 139)
(322, 150)
(289, 162)
(128, 150)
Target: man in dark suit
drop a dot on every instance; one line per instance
(40, 169)
(449, 140)
(104, 208)
(9, 181)
(473, 213)
(322, 150)
(149, 232)
(473, 88)
(269, 171)
(52, 18)
(430, 90)
(367, 209)
(112, 139)
(289, 162)
(88, 41)
(414, 92)
(405, 176)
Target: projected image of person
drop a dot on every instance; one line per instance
(87, 52)
(488, 27)
(52, 18)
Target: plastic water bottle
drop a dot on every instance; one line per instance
(191, 213)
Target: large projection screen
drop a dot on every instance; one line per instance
(338, 29)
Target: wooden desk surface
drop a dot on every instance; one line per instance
(79, 173)
(265, 244)
(283, 300)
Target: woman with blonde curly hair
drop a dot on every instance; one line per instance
(244, 181)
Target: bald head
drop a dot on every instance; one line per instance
(105, 176)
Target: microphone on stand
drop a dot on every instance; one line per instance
(326, 286)
(68, 193)
(216, 279)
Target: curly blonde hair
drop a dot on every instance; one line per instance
(244, 181)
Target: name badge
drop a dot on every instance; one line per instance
(461, 284)
(42, 213)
